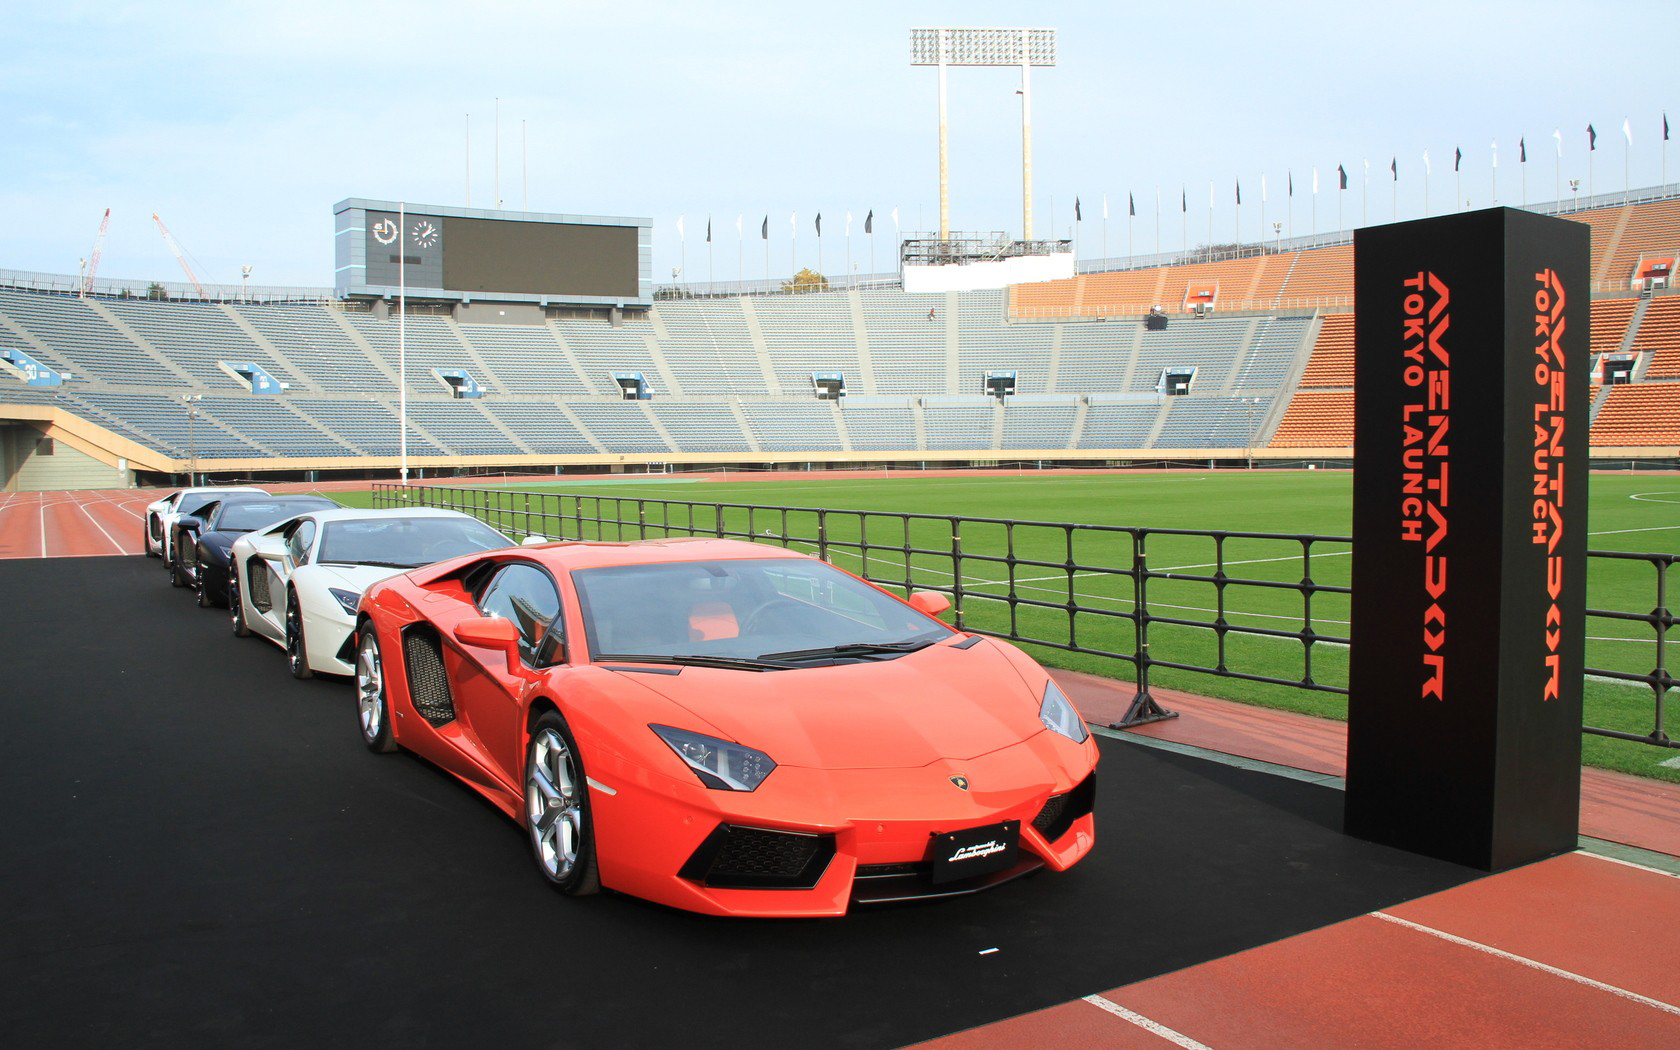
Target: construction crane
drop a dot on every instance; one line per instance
(93, 260)
(179, 257)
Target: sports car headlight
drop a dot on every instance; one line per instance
(718, 763)
(347, 600)
(1058, 715)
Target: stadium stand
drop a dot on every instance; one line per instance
(731, 377)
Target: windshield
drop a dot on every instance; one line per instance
(778, 610)
(247, 516)
(404, 543)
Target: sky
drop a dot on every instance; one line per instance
(241, 126)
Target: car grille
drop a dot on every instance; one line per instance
(1060, 811)
(428, 682)
(735, 857)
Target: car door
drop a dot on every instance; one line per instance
(490, 695)
(268, 594)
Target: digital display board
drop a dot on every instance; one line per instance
(468, 254)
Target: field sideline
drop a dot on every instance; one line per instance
(1627, 512)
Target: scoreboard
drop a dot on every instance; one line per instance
(468, 254)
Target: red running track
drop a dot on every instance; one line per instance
(1570, 952)
(72, 524)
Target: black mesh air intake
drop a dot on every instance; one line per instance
(1060, 811)
(428, 683)
(257, 570)
(754, 858)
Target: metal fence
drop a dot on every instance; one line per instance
(1264, 608)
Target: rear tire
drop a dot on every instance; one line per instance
(373, 705)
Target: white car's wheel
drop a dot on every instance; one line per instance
(236, 604)
(297, 649)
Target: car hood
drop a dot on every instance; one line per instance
(938, 703)
(356, 578)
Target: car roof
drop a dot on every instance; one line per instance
(382, 513)
(585, 555)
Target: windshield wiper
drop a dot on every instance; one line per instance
(380, 564)
(733, 663)
(851, 649)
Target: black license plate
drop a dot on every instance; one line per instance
(974, 851)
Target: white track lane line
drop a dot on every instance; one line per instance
(1152, 1027)
(83, 507)
(1623, 993)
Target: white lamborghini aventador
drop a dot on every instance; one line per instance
(297, 583)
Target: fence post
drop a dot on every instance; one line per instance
(1144, 709)
(957, 590)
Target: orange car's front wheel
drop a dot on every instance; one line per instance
(557, 809)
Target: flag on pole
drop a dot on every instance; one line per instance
(739, 219)
(679, 227)
(1394, 168)
(1131, 205)
(1239, 191)
(819, 224)
(1665, 127)
(1627, 130)
(1496, 153)
(869, 222)
(1341, 174)
(708, 229)
(1592, 139)
(895, 219)
(1426, 168)
(1183, 199)
(1557, 133)
(1292, 183)
(764, 231)
(1078, 216)
(1458, 155)
(1522, 151)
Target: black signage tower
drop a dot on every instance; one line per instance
(1469, 524)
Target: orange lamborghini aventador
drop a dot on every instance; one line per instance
(727, 727)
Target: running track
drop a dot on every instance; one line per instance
(73, 524)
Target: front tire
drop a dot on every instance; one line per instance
(146, 539)
(236, 605)
(373, 705)
(200, 591)
(557, 809)
(297, 649)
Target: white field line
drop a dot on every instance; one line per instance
(1531, 963)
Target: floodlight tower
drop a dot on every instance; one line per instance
(985, 47)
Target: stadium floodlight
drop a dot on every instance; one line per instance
(950, 46)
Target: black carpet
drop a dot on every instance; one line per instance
(199, 851)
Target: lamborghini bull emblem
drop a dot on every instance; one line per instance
(960, 781)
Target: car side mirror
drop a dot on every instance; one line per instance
(931, 603)
(532, 541)
(491, 632)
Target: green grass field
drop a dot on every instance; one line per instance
(1636, 513)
